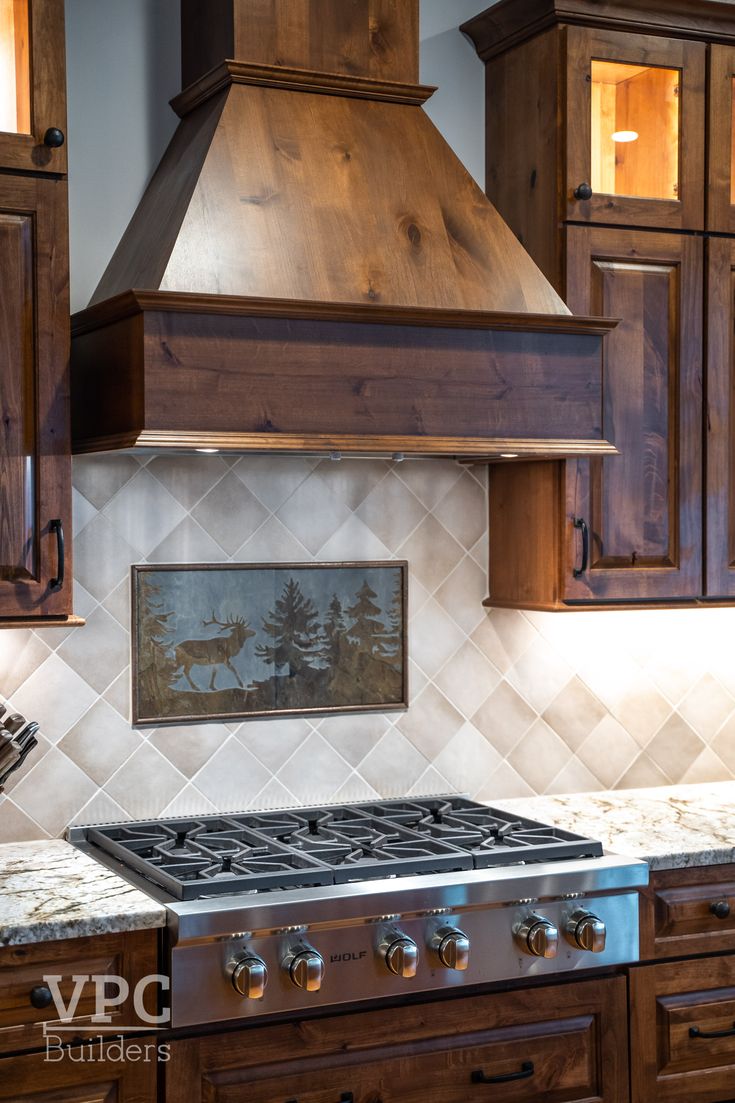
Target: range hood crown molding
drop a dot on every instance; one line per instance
(311, 263)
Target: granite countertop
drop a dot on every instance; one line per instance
(669, 827)
(50, 890)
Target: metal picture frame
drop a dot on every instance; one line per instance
(225, 641)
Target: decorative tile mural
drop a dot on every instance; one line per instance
(502, 703)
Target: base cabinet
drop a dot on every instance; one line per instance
(76, 1079)
(560, 1044)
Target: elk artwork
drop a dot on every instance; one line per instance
(214, 652)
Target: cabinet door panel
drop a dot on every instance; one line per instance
(720, 423)
(635, 129)
(81, 1076)
(32, 84)
(643, 507)
(721, 145)
(34, 445)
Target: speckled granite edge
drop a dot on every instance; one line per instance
(49, 890)
(676, 827)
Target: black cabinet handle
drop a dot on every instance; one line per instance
(57, 527)
(580, 523)
(695, 1032)
(720, 909)
(524, 1073)
(53, 138)
(583, 192)
(41, 997)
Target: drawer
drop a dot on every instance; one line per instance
(683, 1031)
(689, 912)
(25, 1003)
(560, 1043)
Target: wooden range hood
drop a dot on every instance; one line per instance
(312, 269)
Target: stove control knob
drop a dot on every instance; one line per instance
(453, 948)
(537, 936)
(402, 957)
(249, 977)
(306, 969)
(585, 931)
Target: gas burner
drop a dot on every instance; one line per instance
(299, 848)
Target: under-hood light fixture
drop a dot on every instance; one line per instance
(208, 451)
(625, 136)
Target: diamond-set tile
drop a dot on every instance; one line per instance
(230, 513)
(143, 512)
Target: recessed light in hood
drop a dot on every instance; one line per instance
(312, 269)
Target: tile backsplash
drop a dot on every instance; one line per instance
(503, 703)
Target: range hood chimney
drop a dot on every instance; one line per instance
(312, 269)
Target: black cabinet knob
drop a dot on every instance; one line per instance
(584, 191)
(53, 138)
(720, 909)
(41, 996)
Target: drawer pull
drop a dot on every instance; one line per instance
(695, 1032)
(580, 523)
(524, 1073)
(41, 997)
(720, 909)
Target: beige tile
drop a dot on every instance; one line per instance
(352, 540)
(100, 809)
(100, 742)
(504, 783)
(433, 637)
(539, 756)
(117, 604)
(391, 511)
(53, 792)
(188, 543)
(393, 766)
(353, 736)
(539, 674)
(418, 595)
(430, 784)
(21, 652)
(574, 713)
(144, 512)
(706, 707)
(417, 681)
(272, 543)
(643, 774)
(429, 480)
(574, 778)
(230, 513)
(99, 652)
(55, 696)
(118, 694)
(190, 802)
(674, 748)
(467, 679)
(102, 557)
(503, 635)
(232, 777)
(316, 772)
(99, 478)
(187, 478)
(273, 479)
(273, 741)
(430, 722)
(463, 511)
(608, 751)
(706, 767)
(352, 480)
(432, 553)
(188, 747)
(82, 512)
(354, 790)
(145, 784)
(627, 691)
(275, 795)
(463, 593)
(467, 761)
(504, 717)
(15, 826)
(313, 514)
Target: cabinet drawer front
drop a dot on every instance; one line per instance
(555, 1058)
(687, 920)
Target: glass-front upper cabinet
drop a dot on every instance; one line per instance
(32, 86)
(721, 152)
(635, 130)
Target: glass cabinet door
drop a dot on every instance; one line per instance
(32, 86)
(721, 153)
(635, 130)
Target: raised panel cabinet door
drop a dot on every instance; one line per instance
(35, 463)
(83, 1075)
(32, 86)
(642, 508)
(721, 144)
(720, 420)
(635, 120)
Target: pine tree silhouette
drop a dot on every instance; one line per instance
(392, 638)
(156, 665)
(334, 632)
(367, 631)
(295, 630)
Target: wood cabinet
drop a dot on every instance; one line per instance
(615, 124)
(80, 1076)
(35, 464)
(565, 1042)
